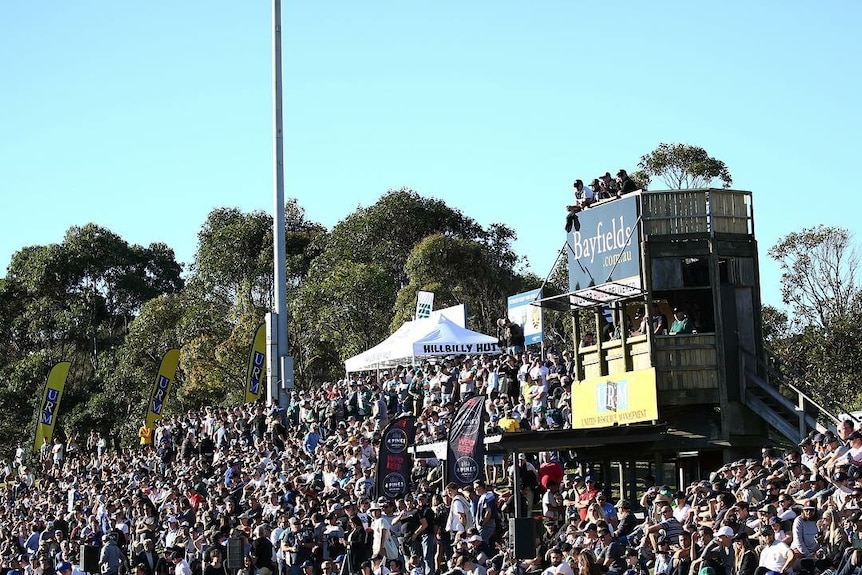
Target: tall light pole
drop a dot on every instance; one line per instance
(280, 365)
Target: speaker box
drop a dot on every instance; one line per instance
(234, 559)
(89, 558)
(522, 537)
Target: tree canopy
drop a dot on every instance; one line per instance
(683, 166)
(113, 308)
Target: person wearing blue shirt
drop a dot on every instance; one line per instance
(311, 440)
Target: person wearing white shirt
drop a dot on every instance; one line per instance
(459, 512)
(776, 557)
(681, 509)
(181, 566)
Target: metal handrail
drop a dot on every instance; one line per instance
(801, 394)
(775, 357)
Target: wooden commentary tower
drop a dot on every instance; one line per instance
(680, 255)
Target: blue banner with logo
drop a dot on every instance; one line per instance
(528, 317)
(393, 461)
(465, 449)
(604, 250)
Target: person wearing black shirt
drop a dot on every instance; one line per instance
(262, 550)
(409, 521)
(626, 184)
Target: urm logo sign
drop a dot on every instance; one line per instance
(160, 394)
(256, 370)
(49, 407)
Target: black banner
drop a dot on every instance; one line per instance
(465, 450)
(393, 462)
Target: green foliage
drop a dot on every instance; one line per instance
(113, 309)
(384, 233)
(820, 341)
(682, 166)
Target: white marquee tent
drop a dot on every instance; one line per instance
(434, 336)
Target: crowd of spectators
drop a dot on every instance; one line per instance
(293, 491)
(602, 188)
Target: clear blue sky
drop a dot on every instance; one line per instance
(144, 116)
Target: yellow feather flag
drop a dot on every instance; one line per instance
(50, 407)
(166, 375)
(256, 366)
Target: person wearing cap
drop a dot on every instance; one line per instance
(587, 496)
(110, 556)
(776, 557)
(716, 550)
(383, 542)
(805, 531)
(744, 557)
(625, 184)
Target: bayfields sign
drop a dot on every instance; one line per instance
(605, 247)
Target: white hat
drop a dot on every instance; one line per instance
(725, 531)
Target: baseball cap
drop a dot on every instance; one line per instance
(725, 531)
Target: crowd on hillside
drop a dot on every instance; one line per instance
(294, 491)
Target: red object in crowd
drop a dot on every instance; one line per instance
(550, 472)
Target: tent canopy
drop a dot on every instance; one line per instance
(435, 336)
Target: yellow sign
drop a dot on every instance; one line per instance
(50, 407)
(615, 399)
(256, 366)
(166, 375)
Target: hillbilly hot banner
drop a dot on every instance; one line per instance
(393, 461)
(50, 406)
(465, 452)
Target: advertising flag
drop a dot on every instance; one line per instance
(256, 365)
(50, 406)
(424, 304)
(393, 461)
(465, 450)
(166, 375)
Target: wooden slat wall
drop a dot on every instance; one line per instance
(729, 212)
(686, 362)
(690, 212)
(675, 213)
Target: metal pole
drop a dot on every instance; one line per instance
(277, 394)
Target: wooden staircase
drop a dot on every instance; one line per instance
(785, 407)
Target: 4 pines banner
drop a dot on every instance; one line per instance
(393, 462)
(162, 386)
(256, 363)
(465, 450)
(50, 405)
